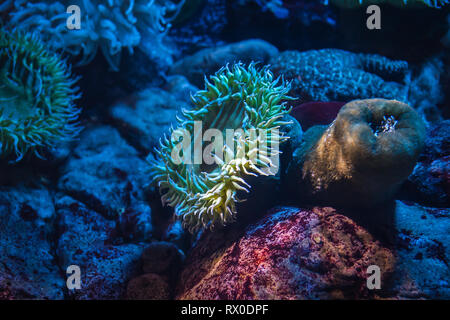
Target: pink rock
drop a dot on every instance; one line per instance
(290, 254)
(314, 113)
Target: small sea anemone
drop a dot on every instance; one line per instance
(36, 97)
(239, 98)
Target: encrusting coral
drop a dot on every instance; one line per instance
(338, 75)
(238, 98)
(109, 25)
(362, 157)
(37, 107)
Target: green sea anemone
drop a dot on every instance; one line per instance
(361, 158)
(36, 97)
(247, 100)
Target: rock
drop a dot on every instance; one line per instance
(161, 257)
(423, 251)
(149, 286)
(429, 182)
(146, 116)
(425, 90)
(175, 234)
(27, 265)
(208, 61)
(107, 175)
(289, 254)
(86, 239)
(180, 87)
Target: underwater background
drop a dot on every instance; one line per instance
(95, 95)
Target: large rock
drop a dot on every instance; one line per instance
(107, 174)
(207, 61)
(144, 117)
(429, 182)
(28, 269)
(87, 239)
(289, 254)
(320, 254)
(422, 239)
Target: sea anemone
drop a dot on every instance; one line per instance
(107, 25)
(247, 100)
(36, 97)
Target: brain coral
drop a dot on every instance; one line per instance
(338, 75)
(109, 25)
(36, 97)
(362, 157)
(236, 98)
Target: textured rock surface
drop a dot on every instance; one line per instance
(289, 254)
(429, 183)
(87, 240)
(208, 61)
(146, 116)
(28, 269)
(149, 286)
(161, 257)
(422, 239)
(108, 176)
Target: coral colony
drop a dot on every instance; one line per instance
(212, 149)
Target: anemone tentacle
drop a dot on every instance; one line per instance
(234, 98)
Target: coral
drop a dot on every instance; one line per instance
(36, 97)
(108, 25)
(332, 74)
(239, 98)
(362, 157)
(399, 3)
